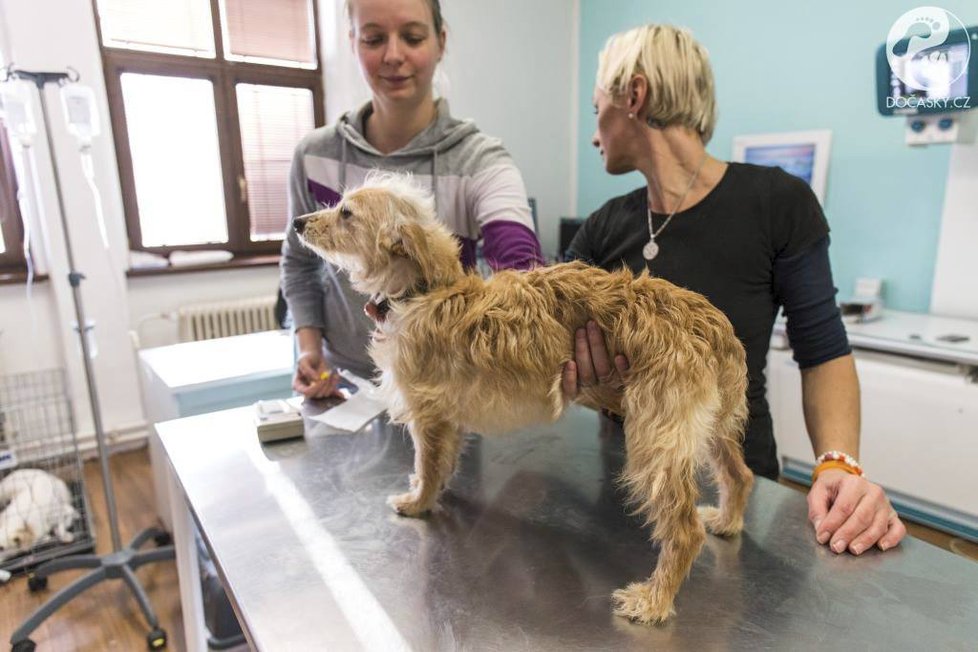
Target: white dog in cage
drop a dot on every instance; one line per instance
(38, 506)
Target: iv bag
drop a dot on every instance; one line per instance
(81, 113)
(15, 106)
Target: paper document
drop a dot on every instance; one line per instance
(358, 410)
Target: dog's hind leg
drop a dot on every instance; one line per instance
(732, 477)
(734, 481)
(667, 424)
(436, 449)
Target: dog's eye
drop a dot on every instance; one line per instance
(345, 212)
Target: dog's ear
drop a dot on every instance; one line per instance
(421, 239)
(390, 243)
(411, 242)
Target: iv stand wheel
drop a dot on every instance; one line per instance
(36, 583)
(156, 639)
(26, 645)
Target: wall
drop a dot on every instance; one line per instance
(794, 66)
(50, 35)
(508, 67)
(526, 107)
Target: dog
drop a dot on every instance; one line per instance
(461, 353)
(38, 504)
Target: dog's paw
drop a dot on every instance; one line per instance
(408, 505)
(641, 603)
(715, 523)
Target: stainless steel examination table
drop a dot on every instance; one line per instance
(530, 540)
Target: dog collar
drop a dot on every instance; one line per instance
(380, 304)
(377, 308)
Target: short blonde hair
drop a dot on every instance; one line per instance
(681, 89)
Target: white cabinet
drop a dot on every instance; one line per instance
(919, 436)
(198, 377)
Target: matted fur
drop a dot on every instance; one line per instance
(460, 353)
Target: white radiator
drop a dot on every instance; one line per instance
(207, 321)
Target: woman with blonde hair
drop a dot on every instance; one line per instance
(752, 240)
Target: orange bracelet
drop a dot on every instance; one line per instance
(834, 464)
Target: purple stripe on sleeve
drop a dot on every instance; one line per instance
(324, 196)
(510, 245)
(467, 255)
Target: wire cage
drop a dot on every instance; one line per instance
(44, 509)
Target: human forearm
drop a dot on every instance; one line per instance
(848, 512)
(309, 339)
(830, 401)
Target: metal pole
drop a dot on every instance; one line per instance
(74, 279)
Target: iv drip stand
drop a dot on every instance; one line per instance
(123, 560)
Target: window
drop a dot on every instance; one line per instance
(11, 228)
(208, 99)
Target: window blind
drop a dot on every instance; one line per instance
(176, 26)
(280, 30)
(273, 120)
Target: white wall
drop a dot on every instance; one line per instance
(511, 68)
(956, 267)
(50, 35)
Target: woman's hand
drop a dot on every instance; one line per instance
(590, 366)
(850, 512)
(313, 378)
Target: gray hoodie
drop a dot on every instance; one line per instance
(479, 194)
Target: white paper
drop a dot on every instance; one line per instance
(358, 410)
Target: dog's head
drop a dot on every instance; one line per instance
(385, 235)
(15, 532)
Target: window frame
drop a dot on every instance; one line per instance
(224, 74)
(12, 260)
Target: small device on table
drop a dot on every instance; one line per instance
(278, 419)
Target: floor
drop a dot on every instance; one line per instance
(107, 618)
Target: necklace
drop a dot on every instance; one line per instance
(651, 248)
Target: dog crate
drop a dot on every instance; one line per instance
(37, 431)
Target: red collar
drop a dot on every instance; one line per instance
(377, 308)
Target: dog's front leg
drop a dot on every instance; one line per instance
(436, 449)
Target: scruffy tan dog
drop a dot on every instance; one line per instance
(459, 353)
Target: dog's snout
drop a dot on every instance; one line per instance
(299, 223)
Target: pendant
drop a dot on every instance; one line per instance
(650, 250)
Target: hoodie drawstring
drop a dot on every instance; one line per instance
(342, 164)
(434, 178)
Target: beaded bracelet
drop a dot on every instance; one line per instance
(836, 460)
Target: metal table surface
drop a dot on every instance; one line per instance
(529, 542)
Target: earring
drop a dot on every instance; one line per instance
(631, 116)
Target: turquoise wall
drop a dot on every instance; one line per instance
(792, 66)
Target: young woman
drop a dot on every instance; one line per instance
(479, 192)
(751, 239)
